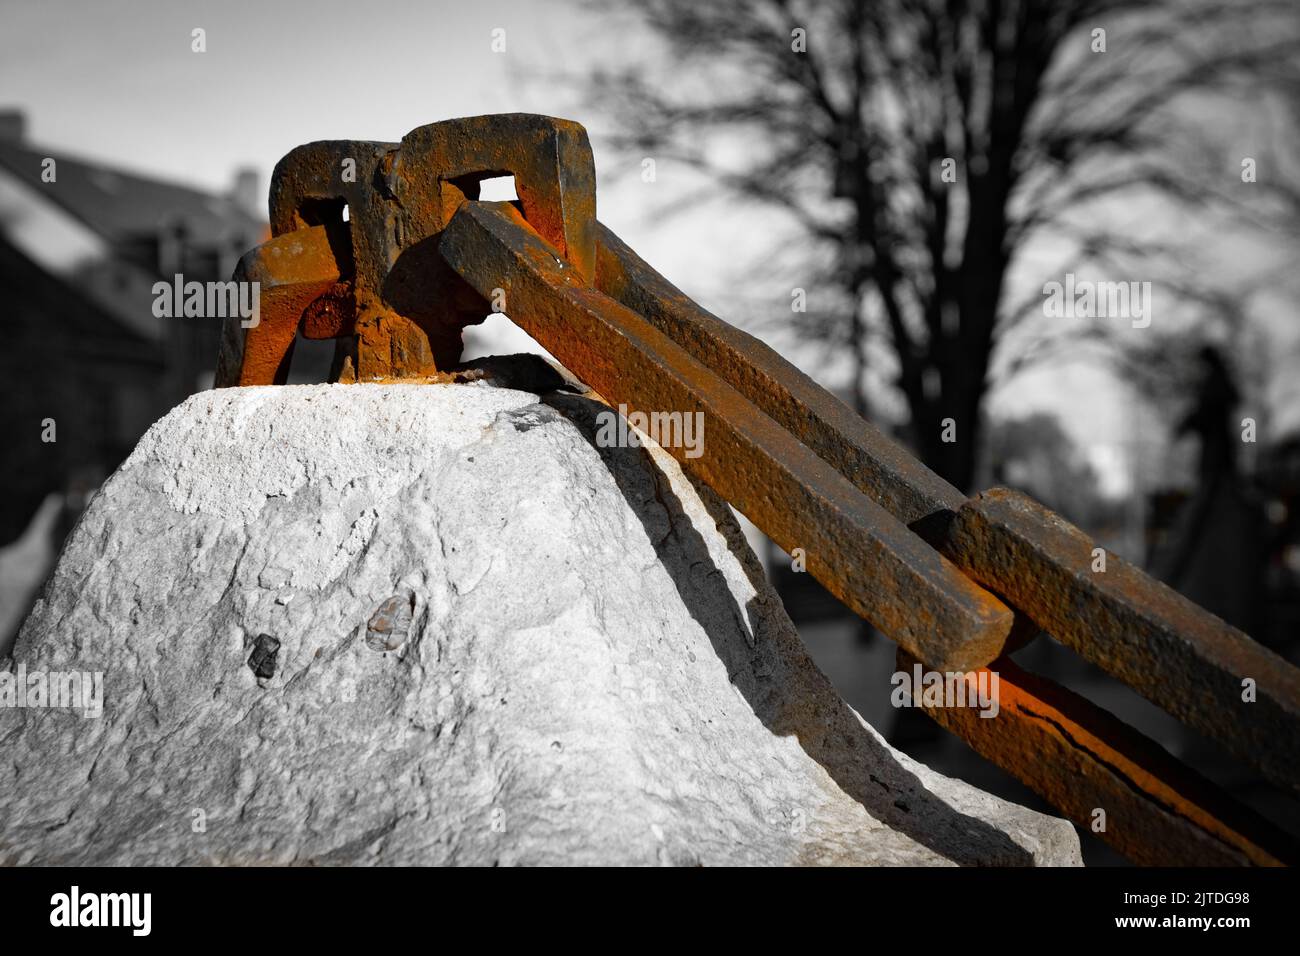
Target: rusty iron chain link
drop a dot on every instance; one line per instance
(957, 583)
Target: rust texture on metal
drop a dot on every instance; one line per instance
(1146, 634)
(880, 467)
(293, 272)
(860, 552)
(397, 311)
(1081, 759)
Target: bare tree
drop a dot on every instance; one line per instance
(921, 144)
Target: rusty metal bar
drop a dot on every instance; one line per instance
(1082, 759)
(880, 467)
(293, 271)
(1148, 635)
(1186, 660)
(855, 548)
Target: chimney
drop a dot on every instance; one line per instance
(13, 125)
(246, 193)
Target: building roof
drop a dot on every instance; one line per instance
(120, 205)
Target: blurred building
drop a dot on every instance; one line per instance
(86, 363)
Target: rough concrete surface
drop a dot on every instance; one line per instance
(489, 642)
